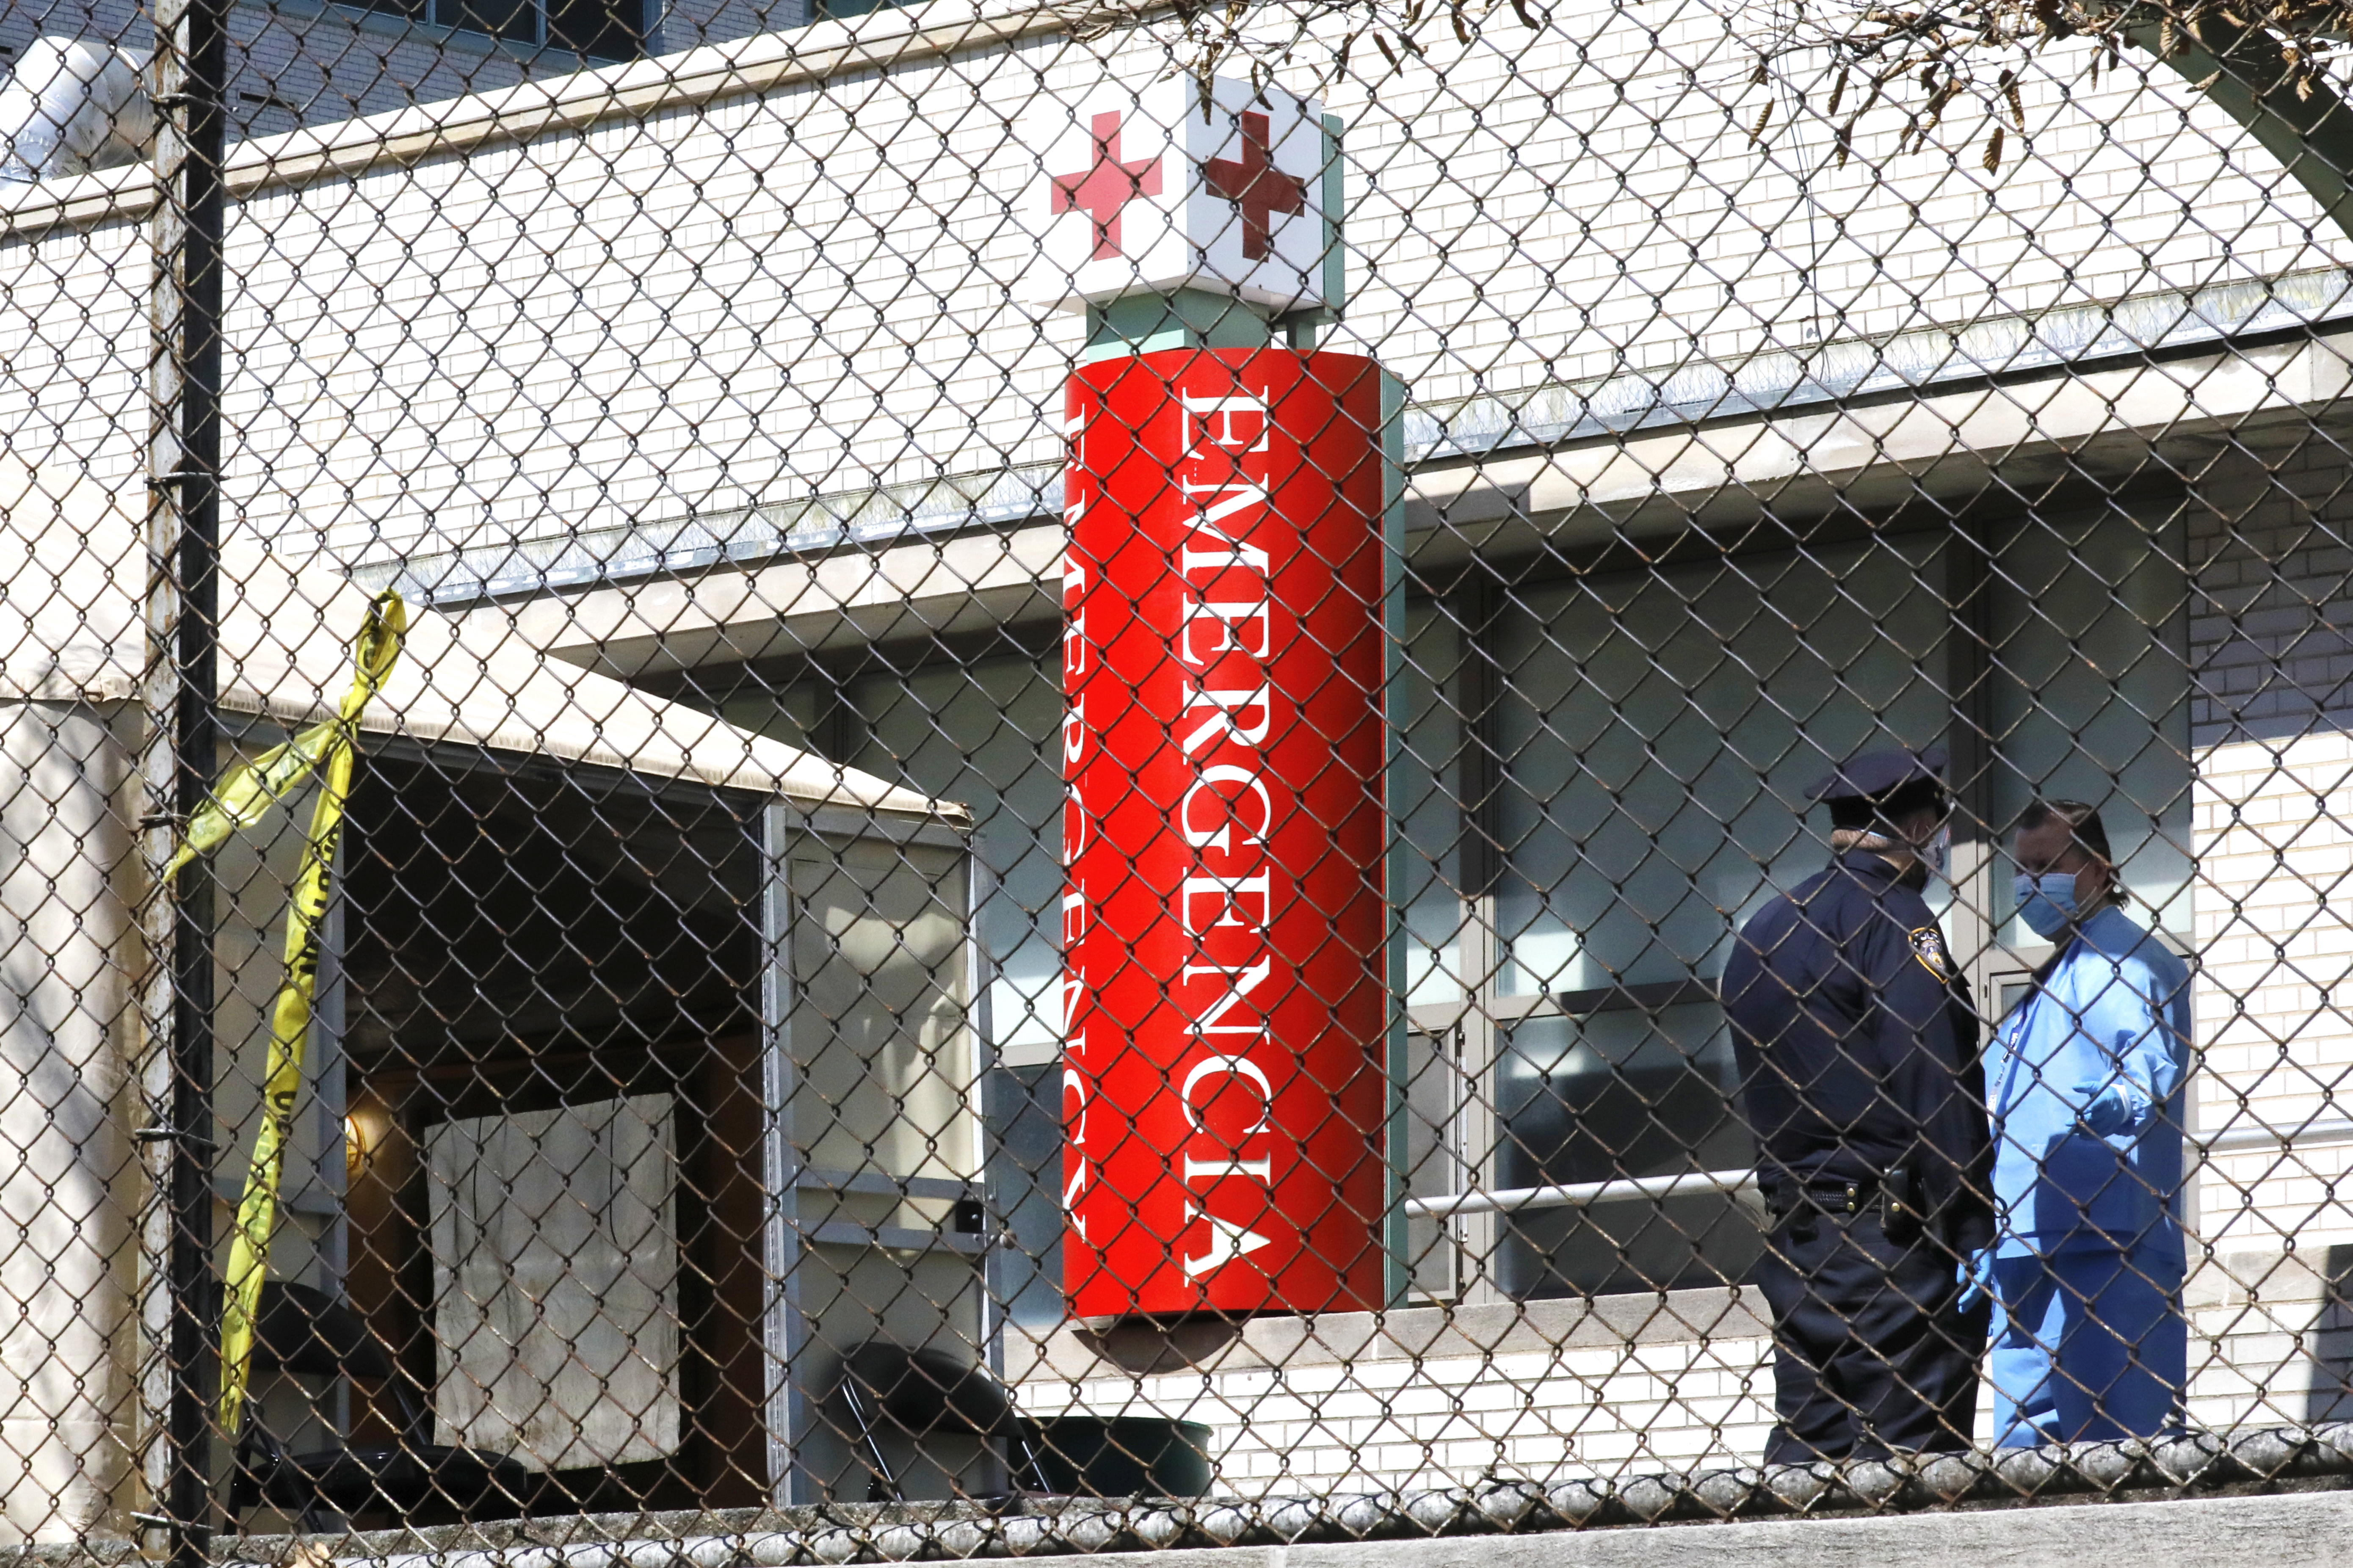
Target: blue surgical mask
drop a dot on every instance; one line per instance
(2046, 903)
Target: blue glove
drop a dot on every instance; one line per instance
(1976, 1277)
(2106, 1109)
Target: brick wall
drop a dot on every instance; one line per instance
(1433, 1396)
(1629, 1385)
(2273, 838)
(808, 291)
(315, 62)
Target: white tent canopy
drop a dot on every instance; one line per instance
(72, 644)
(71, 631)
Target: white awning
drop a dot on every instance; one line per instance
(70, 606)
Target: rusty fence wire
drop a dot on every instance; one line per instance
(1180, 774)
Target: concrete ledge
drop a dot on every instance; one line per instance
(1524, 1521)
(2310, 1530)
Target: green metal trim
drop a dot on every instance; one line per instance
(1397, 1237)
(1189, 319)
(2252, 82)
(1304, 326)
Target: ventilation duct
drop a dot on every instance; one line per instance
(72, 105)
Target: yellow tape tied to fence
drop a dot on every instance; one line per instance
(243, 799)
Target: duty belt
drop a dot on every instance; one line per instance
(1896, 1190)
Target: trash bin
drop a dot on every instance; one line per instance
(1123, 1455)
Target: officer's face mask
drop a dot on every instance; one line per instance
(1938, 851)
(2046, 903)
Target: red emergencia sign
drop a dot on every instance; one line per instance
(1224, 916)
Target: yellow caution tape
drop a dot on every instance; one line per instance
(243, 799)
(246, 796)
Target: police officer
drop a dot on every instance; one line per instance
(1857, 1047)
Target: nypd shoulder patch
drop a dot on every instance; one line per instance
(1928, 947)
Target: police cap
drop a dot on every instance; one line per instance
(1885, 782)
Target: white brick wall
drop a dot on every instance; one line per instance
(2271, 1342)
(307, 63)
(804, 291)
(312, 62)
(2274, 839)
(2274, 820)
(1293, 1420)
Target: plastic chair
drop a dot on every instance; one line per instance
(920, 1392)
(307, 1332)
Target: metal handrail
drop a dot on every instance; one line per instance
(1582, 1195)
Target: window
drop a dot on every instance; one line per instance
(884, 1062)
(983, 734)
(1636, 749)
(2089, 696)
(1659, 731)
(1617, 1093)
(600, 29)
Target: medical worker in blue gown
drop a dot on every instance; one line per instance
(2085, 1083)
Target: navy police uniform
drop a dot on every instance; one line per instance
(1858, 1050)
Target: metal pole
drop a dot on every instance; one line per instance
(191, 43)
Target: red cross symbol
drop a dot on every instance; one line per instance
(1256, 186)
(1106, 187)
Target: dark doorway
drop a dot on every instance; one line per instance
(553, 1046)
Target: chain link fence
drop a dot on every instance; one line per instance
(1127, 775)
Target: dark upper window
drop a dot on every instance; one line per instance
(600, 29)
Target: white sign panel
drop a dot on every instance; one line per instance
(556, 1283)
(1142, 191)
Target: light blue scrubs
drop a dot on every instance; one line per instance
(2089, 1342)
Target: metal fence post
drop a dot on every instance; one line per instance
(182, 735)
